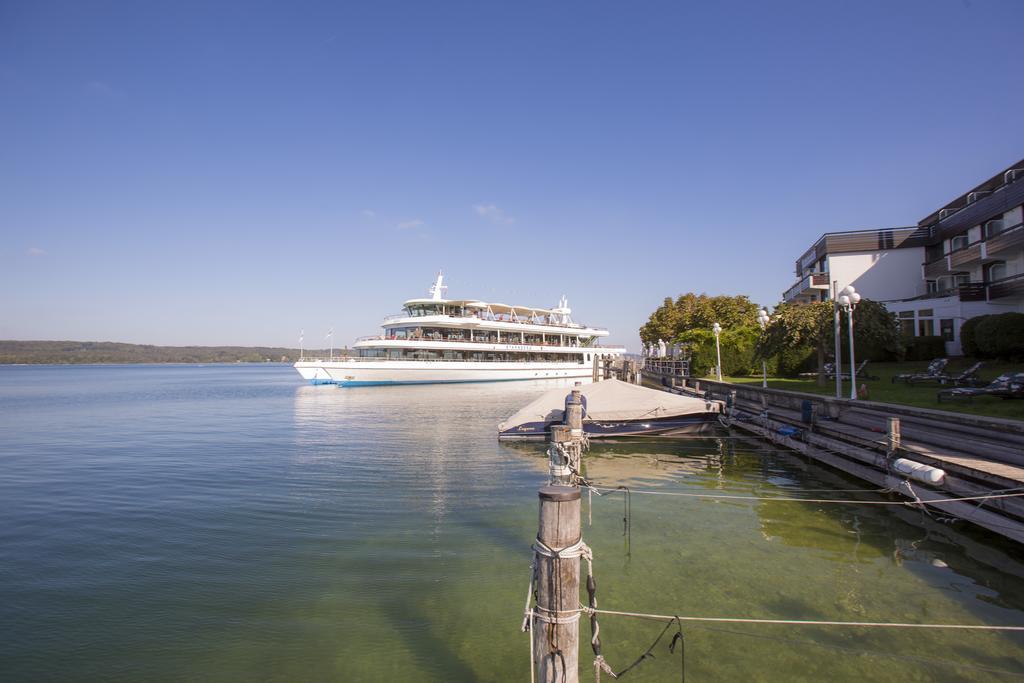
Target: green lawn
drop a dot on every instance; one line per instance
(921, 395)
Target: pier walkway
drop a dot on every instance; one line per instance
(981, 456)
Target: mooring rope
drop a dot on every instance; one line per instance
(801, 622)
(836, 501)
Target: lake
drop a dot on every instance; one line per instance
(230, 523)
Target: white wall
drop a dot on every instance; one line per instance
(880, 275)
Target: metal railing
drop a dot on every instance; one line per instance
(571, 326)
(808, 281)
(446, 340)
(969, 245)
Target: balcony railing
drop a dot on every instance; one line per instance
(478, 340)
(1007, 286)
(809, 281)
(496, 319)
(982, 250)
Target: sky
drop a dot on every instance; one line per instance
(233, 173)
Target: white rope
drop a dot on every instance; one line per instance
(803, 622)
(533, 660)
(838, 501)
(527, 625)
(569, 552)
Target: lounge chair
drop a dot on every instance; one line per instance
(1010, 385)
(934, 371)
(968, 377)
(861, 373)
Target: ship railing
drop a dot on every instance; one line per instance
(464, 340)
(496, 319)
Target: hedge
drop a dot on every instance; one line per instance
(968, 331)
(1000, 336)
(925, 348)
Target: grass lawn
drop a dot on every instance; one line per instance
(921, 395)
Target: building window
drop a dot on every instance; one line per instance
(925, 327)
(946, 329)
(995, 271)
(907, 323)
(994, 227)
(932, 286)
(958, 242)
(925, 313)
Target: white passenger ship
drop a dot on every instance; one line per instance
(440, 340)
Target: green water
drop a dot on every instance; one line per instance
(230, 524)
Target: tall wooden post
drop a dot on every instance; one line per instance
(556, 645)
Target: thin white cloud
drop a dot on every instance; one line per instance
(368, 213)
(36, 251)
(414, 223)
(493, 214)
(100, 89)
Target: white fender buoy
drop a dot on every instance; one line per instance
(919, 471)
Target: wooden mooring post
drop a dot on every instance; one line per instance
(558, 465)
(894, 435)
(555, 628)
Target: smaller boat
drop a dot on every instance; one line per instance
(615, 408)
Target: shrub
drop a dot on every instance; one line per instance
(793, 361)
(968, 332)
(1000, 336)
(925, 348)
(737, 351)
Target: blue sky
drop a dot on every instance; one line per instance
(215, 173)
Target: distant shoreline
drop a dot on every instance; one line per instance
(116, 353)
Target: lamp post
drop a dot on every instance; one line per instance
(762, 320)
(717, 329)
(835, 330)
(848, 301)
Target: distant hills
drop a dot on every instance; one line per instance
(73, 352)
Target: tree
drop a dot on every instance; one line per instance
(697, 311)
(811, 326)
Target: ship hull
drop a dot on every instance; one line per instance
(379, 373)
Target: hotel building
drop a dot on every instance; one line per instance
(964, 260)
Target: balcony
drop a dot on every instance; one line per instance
(806, 283)
(1011, 238)
(937, 268)
(961, 257)
(971, 291)
(1006, 287)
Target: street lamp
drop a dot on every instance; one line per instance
(762, 320)
(717, 329)
(848, 300)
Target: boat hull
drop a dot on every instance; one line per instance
(668, 426)
(380, 373)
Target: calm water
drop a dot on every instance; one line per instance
(232, 524)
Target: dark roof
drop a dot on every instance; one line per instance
(990, 185)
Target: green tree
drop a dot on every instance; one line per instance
(811, 326)
(697, 311)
